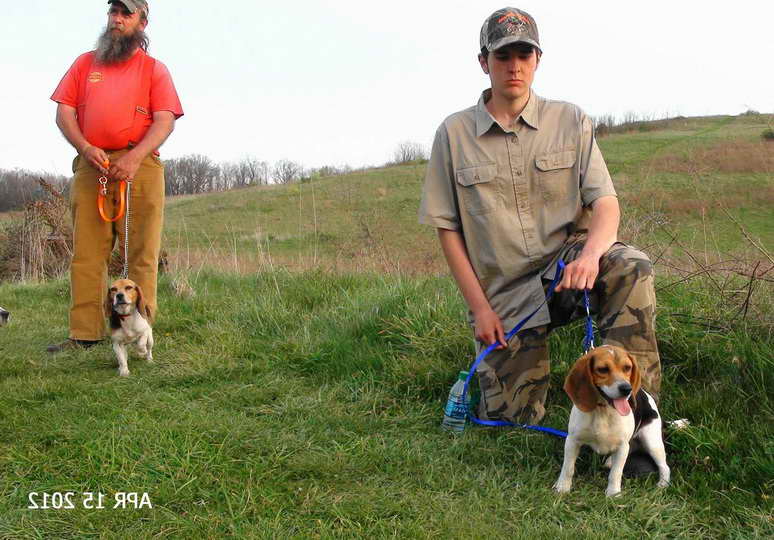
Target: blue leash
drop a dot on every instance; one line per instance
(588, 344)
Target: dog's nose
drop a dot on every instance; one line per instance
(120, 296)
(624, 389)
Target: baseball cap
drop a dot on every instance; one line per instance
(133, 5)
(509, 25)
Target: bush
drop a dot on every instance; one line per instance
(768, 134)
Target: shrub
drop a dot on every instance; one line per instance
(768, 134)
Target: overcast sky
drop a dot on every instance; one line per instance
(343, 82)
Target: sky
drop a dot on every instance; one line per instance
(344, 82)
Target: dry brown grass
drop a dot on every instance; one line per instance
(39, 245)
(736, 156)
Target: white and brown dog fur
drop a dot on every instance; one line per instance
(4, 316)
(128, 315)
(612, 414)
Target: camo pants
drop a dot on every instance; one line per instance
(514, 381)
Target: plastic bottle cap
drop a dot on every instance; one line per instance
(462, 376)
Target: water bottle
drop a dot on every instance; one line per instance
(456, 412)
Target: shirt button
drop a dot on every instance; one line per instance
(514, 139)
(518, 173)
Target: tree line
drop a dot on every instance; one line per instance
(19, 187)
(197, 173)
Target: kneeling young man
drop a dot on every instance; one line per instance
(513, 184)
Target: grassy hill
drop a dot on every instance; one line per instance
(674, 180)
(298, 392)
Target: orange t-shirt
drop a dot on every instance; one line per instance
(111, 114)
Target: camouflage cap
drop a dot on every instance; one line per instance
(133, 5)
(509, 25)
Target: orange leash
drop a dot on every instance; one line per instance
(102, 193)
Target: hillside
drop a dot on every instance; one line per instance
(674, 180)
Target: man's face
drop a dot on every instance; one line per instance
(121, 21)
(511, 70)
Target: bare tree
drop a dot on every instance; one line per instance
(408, 151)
(191, 174)
(20, 186)
(286, 171)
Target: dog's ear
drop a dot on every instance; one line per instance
(108, 304)
(635, 378)
(142, 307)
(579, 384)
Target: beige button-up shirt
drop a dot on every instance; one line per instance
(515, 195)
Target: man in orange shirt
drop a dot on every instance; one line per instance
(116, 106)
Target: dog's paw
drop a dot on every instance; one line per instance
(663, 483)
(562, 486)
(123, 372)
(613, 491)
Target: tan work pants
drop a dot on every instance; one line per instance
(94, 239)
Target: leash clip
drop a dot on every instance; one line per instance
(103, 182)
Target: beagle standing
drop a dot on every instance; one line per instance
(128, 322)
(612, 415)
(4, 316)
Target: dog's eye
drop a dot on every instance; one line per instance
(603, 370)
(129, 287)
(627, 369)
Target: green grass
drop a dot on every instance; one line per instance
(308, 405)
(299, 393)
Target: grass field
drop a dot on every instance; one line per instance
(298, 393)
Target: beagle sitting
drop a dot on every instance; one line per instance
(4, 316)
(128, 322)
(612, 415)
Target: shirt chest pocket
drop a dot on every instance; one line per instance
(556, 175)
(477, 188)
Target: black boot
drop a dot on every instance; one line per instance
(71, 345)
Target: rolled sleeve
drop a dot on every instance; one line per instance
(439, 207)
(163, 95)
(595, 181)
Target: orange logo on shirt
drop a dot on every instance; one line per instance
(94, 76)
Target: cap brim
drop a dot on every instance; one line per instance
(509, 40)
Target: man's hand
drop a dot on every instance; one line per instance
(580, 274)
(125, 167)
(96, 157)
(489, 328)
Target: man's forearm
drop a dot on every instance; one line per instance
(162, 127)
(67, 122)
(603, 230)
(453, 246)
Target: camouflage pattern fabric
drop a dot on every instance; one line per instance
(508, 25)
(514, 381)
(133, 5)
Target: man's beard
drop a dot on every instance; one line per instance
(114, 49)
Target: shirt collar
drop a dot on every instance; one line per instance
(484, 120)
